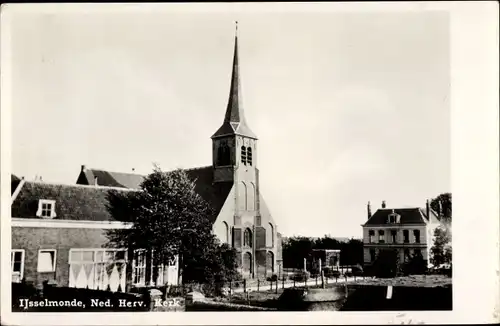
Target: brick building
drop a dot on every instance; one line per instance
(407, 230)
(230, 185)
(59, 235)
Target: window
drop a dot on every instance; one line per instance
(242, 196)
(251, 195)
(372, 255)
(139, 264)
(371, 236)
(416, 234)
(417, 252)
(92, 268)
(271, 234)
(394, 236)
(406, 236)
(249, 156)
(46, 208)
(381, 235)
(244, 155)
(17, 265)
(46, 260)
(226, 232)
(247, 238)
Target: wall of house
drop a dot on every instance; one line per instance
(32, 239)
(424, 232)
(424, 245)
(367, 256)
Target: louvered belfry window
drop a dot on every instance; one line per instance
(244, 155)
(249, 156)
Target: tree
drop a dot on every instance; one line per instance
(170, 219)
(415, 265)
(441, 251)
(295, 249)
(386, 264)
(442, 205)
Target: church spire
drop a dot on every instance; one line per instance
(234, 120)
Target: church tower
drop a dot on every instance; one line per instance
(234, 148)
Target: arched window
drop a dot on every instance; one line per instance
(247, 238)
(242, 196)
(271, 234)
(251, 197)
(270, 261)
(244, 155)
(225, 237)
(249, 156)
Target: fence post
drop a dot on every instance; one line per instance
(283, 282)
(258, 285)
(244, 285)
(277, 286)
(323, 279)
(230, 289)
(294, 281)
(316, 280)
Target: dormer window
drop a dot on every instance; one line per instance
(394, 218)
(46, 208)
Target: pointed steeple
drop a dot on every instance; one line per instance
(234, 120)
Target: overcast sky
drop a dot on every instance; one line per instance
(348, 108)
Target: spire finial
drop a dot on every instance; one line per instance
(236, 28)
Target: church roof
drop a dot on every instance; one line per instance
(109, 179)
(234, 121)
(215, 194)
(414, 215)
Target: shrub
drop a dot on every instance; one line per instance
(272, 278)
(301, 276)
(416, 265)
(387, 264)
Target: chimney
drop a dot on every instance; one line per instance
(369, 208)
(95, 181)
(428, 208)
(133, 169)
(83, 168)
(383, 204)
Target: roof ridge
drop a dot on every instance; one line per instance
(79, 185)
(109, 171)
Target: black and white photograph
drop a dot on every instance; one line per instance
(226, 158)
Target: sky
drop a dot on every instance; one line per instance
(348, 107)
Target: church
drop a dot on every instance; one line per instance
(230, 185)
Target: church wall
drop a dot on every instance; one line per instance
(225, 215)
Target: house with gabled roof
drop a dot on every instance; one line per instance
(59, 236)
(230, 185)
(408, 230)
